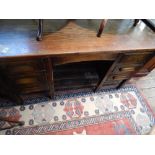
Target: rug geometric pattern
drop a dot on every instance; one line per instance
(111, 112)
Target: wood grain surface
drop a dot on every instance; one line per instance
(18, 37)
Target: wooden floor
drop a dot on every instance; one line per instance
(146, 85)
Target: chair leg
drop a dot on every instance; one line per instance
(136, 21)
(101, 28)
(149, 23)
(40, 30)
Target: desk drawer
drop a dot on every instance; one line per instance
(31, 84)
(23, 67)
(113, 82)
(34, 89)
(117, 77)
(109, 86)
(126, 68)
(135, 58)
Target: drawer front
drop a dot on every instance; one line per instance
(30, 80)
(34, 89)
(27, 75)
(31, 84)
(117, 77)
(128, 65)
(112, 82)
(135, 58)
(126, 68)
(25, 67)
(109, 86)
(125, 65)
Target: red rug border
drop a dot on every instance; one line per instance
(144, 98)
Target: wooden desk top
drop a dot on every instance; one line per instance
(18, 37)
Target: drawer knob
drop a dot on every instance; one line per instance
(127, 69)
(119, 77)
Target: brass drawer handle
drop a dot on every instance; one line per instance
(118, 77)
(128, 69)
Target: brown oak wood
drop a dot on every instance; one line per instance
(70, 56)
(50, 79)
(17, 39)
(104, 78)
(83, 57)
(148, 67)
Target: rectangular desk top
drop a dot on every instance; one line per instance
(18, 37)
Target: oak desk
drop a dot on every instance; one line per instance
(71, 56)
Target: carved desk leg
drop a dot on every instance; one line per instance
(40, 30)
(101, 28)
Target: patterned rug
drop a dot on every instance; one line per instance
(111, 112)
